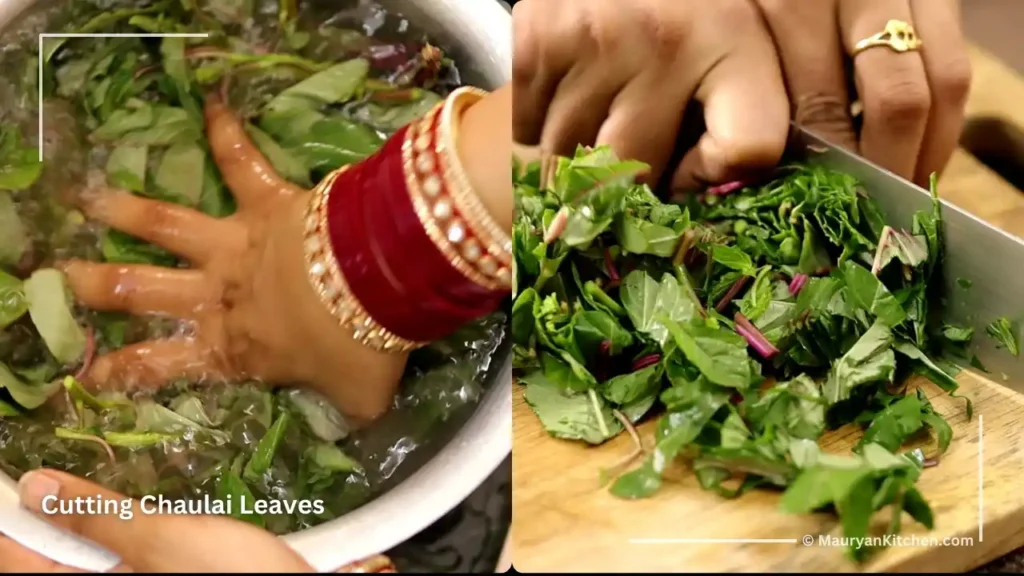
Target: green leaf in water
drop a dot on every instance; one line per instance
(49, 305)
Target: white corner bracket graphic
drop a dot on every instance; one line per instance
(42, 54)
(981, 479)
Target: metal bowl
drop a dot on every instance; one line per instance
(478, 33)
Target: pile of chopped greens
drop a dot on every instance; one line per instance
(319, 88)
(756, 317)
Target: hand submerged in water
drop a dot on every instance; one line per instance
(254, 311)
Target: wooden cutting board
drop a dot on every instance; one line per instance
(564, 521)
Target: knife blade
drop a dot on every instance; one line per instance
(990, 260)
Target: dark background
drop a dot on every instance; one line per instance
(470, 538)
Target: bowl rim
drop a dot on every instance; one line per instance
(442, 483)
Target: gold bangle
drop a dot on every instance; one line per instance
(329, 283)
(497, 241)
(442, 218)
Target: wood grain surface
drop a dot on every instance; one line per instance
(564, 521)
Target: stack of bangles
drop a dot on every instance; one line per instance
(399, 247)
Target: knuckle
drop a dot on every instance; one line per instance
(901, 101)
(664, 30)
(821, 109)
(827, 114)
(524, 45)
(603, 30)
(952, 81)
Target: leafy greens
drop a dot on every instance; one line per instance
(757, 320)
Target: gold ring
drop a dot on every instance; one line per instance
(898, 36)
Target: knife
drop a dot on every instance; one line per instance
(990, 260)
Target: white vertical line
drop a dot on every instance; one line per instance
(981, 480)
(42, 37)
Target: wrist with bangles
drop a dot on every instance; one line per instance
(399, 247)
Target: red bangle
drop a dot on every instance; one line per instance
(391, 252)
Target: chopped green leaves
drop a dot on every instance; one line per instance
(1006, 334)
(650, 303)
(733, 258)
(719, 354)
(870, 360)
(633, 303)
(570, 415)
(867, 292)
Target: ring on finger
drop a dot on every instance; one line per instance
(898, 36)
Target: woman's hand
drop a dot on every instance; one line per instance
(622, 73)
(254, 312)
(145, 542)
(913, 102)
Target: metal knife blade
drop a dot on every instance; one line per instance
(991, 260)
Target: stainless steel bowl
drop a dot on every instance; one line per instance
(479, 34)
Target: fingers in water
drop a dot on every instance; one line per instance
(140, 290)
(246, 171)
(151, 365)
(892, 86)
(948, 68)
(183, 231)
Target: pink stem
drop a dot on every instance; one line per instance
(557, 226)
(613, 273)
(797, 283)
(726, 189)
(731, 294)
(754, 337)
(645, 361)
(90, 352)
